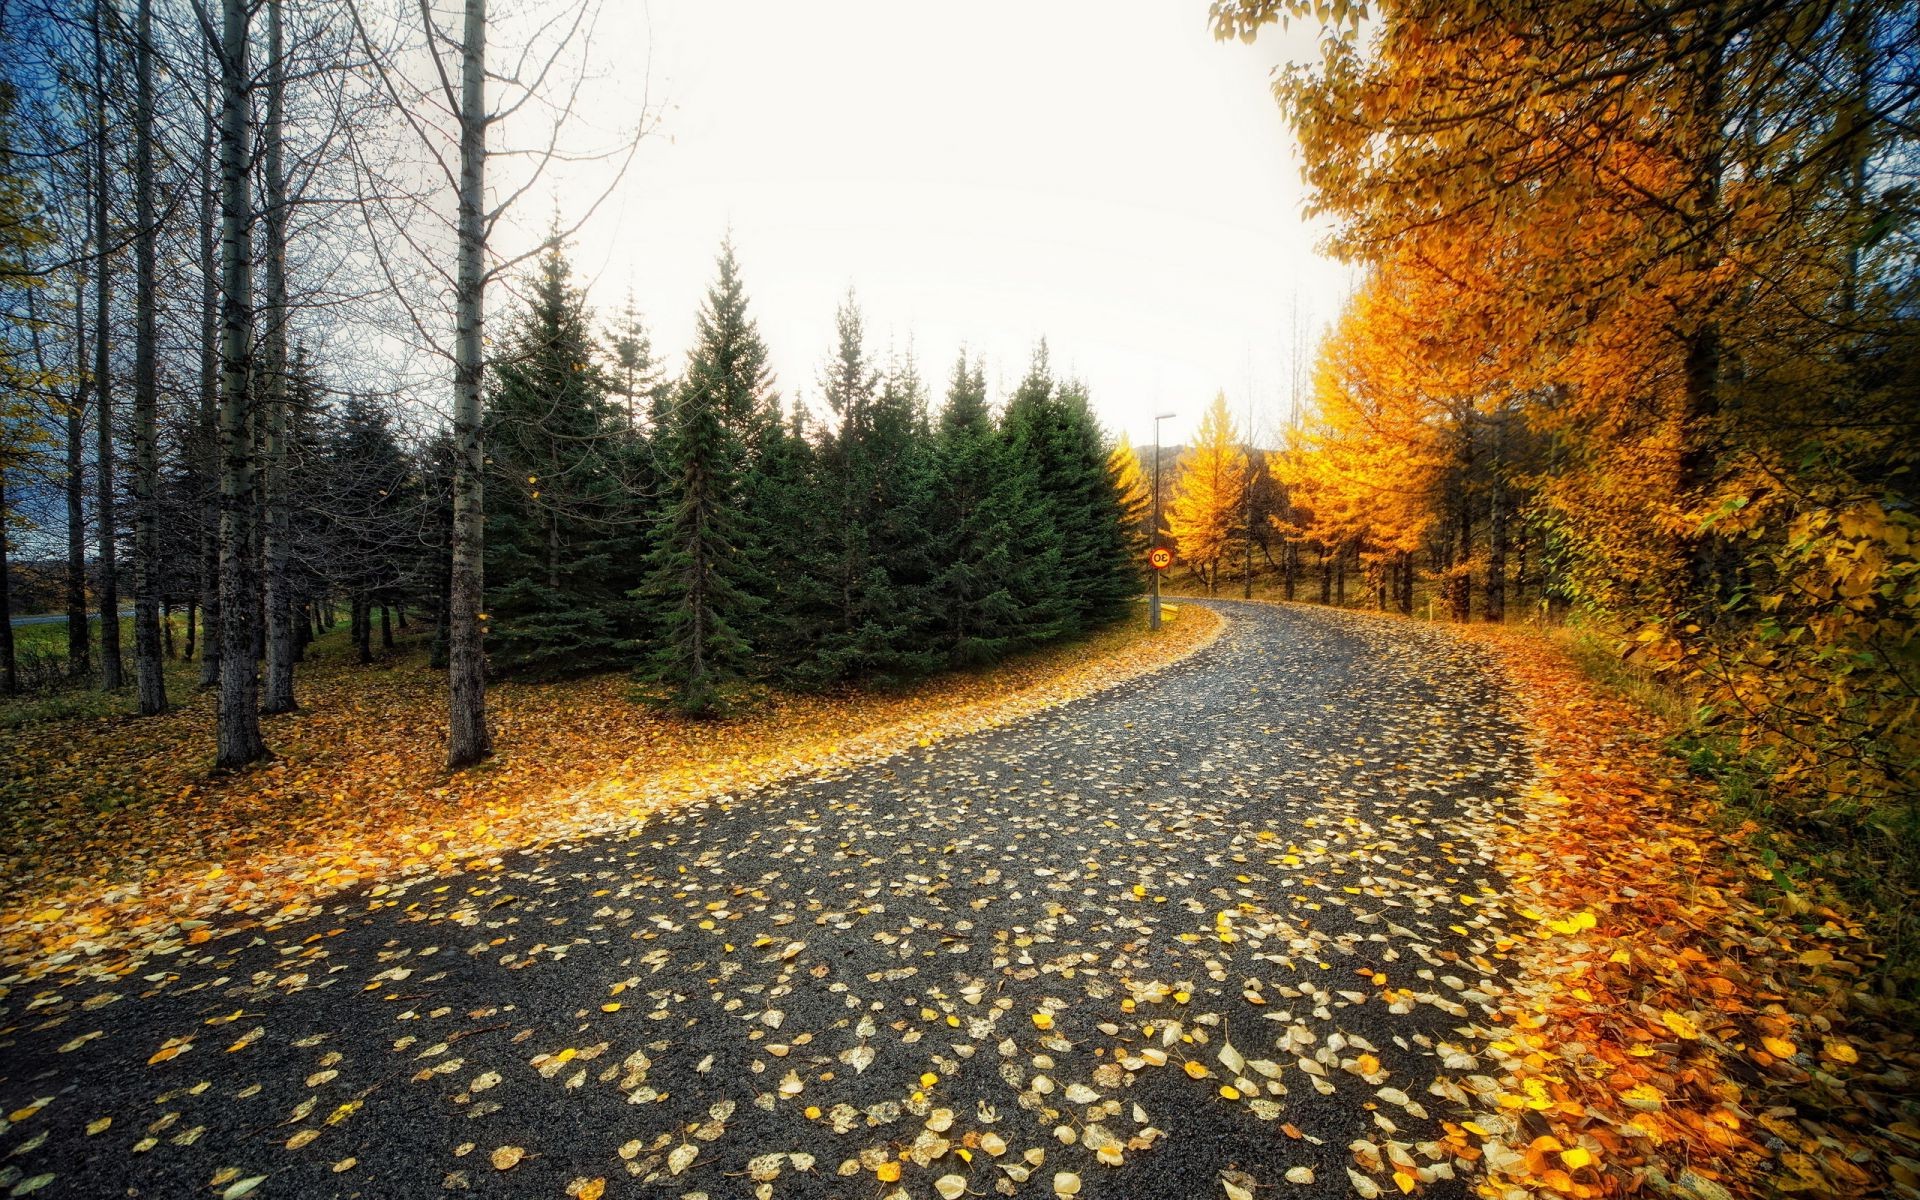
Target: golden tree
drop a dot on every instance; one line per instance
(1209, 496)
(1135, 491)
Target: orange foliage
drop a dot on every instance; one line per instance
(1681, 1015)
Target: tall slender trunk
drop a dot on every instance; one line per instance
(1699, 438)
(9, 667)
(79, 638)
(105, 528)
(239, 720)
(277, 696)
(207, 447)
(1495, 593)
(1326, 573)
(468, 739)
(149, 670)
(1406, 582)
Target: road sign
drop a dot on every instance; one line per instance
(1160, 559)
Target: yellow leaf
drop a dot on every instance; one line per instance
(1195, 1070)
(1043, 1020)
(506, 1157)
(887, 1172)
(1681, 1025)
(1841, 1051)
(1780, 1047)
(1576, 1158)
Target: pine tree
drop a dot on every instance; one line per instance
(1204, 514)
(557, 572)
(696, 587)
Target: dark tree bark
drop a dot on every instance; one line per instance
(277, 696)
(1494, 595)
(239, 718)
(79, 639)
(149, 670)
(9, 665)
(208, 445)
(107, 591)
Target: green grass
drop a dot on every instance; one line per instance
(47, 643)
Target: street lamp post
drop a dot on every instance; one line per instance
(1153, 604)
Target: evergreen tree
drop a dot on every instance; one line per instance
(367, 494)
(873, 476)
(1058, 442)
(791, 566)
(975, 618)
(698, 575)
(559, 520)
(635, 372)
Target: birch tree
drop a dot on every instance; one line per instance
(453, 121)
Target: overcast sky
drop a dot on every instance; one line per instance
(1105, 175)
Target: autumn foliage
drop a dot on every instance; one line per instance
(1639, 312)
(1689, 1023)
(1205, 512)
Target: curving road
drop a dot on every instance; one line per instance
(1229, 917)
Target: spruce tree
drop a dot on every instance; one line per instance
(874, 475)
(1058, 441)
(559, 524)
(698, 590)
(975, 618)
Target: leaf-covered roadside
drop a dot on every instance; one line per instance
(1681, 1024)
(358, 793)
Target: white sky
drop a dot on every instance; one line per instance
(1104, 174)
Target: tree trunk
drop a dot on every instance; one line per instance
(9, 666)
(186, 651)
(79, 638)
(1406, 582)
(1699, 439)
(105, 528)
(386, 627)
(208, 449)
(1326, 574)
(303, 631)
(239, 718)
(277, 696)
(1495, 592)
(1340, 576)
(149, 670)
(468, 740)
(363, 627)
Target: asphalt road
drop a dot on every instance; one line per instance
(1281, 845)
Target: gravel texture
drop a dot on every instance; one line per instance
(1283, 844)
